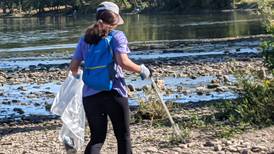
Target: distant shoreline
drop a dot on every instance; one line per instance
(68, 13)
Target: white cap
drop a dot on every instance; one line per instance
(111, 7)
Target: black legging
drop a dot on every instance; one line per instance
(97, 108)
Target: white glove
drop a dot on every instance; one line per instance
(145, 73)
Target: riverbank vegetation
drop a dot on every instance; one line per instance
(70, 7)
(253, 109)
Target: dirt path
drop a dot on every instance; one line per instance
(42, 138)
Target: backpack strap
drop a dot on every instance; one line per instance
(109, 40)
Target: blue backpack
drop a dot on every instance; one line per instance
(99, 65)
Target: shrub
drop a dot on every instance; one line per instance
(265, 10)
(151, 110)
(255, 107)
(268, 53)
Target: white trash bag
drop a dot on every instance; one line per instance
(72, 87)
(68, 105)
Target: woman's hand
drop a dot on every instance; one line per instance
(74, 67)
(145, 72)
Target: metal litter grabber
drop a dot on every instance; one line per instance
(174, 125)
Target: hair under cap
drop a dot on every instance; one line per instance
(111, 7)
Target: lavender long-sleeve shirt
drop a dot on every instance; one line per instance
(119, 45)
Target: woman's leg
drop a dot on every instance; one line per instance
(97, 120)
(118, 112)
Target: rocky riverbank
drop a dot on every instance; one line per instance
(42, 138)
(27, 91)
(30, 91)
(35, 134)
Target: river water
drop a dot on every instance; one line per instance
(60, 32)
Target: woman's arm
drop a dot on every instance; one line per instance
(120, 47)
(77, 57)
(123, 60)
(74, 66)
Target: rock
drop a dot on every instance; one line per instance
(2, 79)
(14, 101)
(48, 93)
(2, 74)
(22, 88)
(271, 152)
(191, 144)
(232, 149)
(25, 152)
(23, 103)
(32, 96)
(146, 88)
(193, 77)
(37, 104)
(201, 90)
(182, 75)
(258, 148)
(32, 67)
(217, 147)
(183, 146)
(131, 87)
(209, 144)
(169, 91)
(160, 84)
(6, 102)
(226, 52)
(212, 86)
(215, 81)
(6, 143)
(245, 151)
(227, 142)
(221, 89)
(246, 145)
(138, 89)
(18, 110)
(226, 78)
(152, 149)
(177, 150)
(262, 73)
(47, 106)
(181, 89)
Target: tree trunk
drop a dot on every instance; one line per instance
(20, 6)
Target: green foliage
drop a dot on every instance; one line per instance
(226, 131)
(194, 121)
(151, 110)
(256, 107)
(40, 5)
(268, 53)
(182, 5)
(184, 134)
(264, 8)
(88, 5)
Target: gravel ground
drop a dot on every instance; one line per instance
(42, 138)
